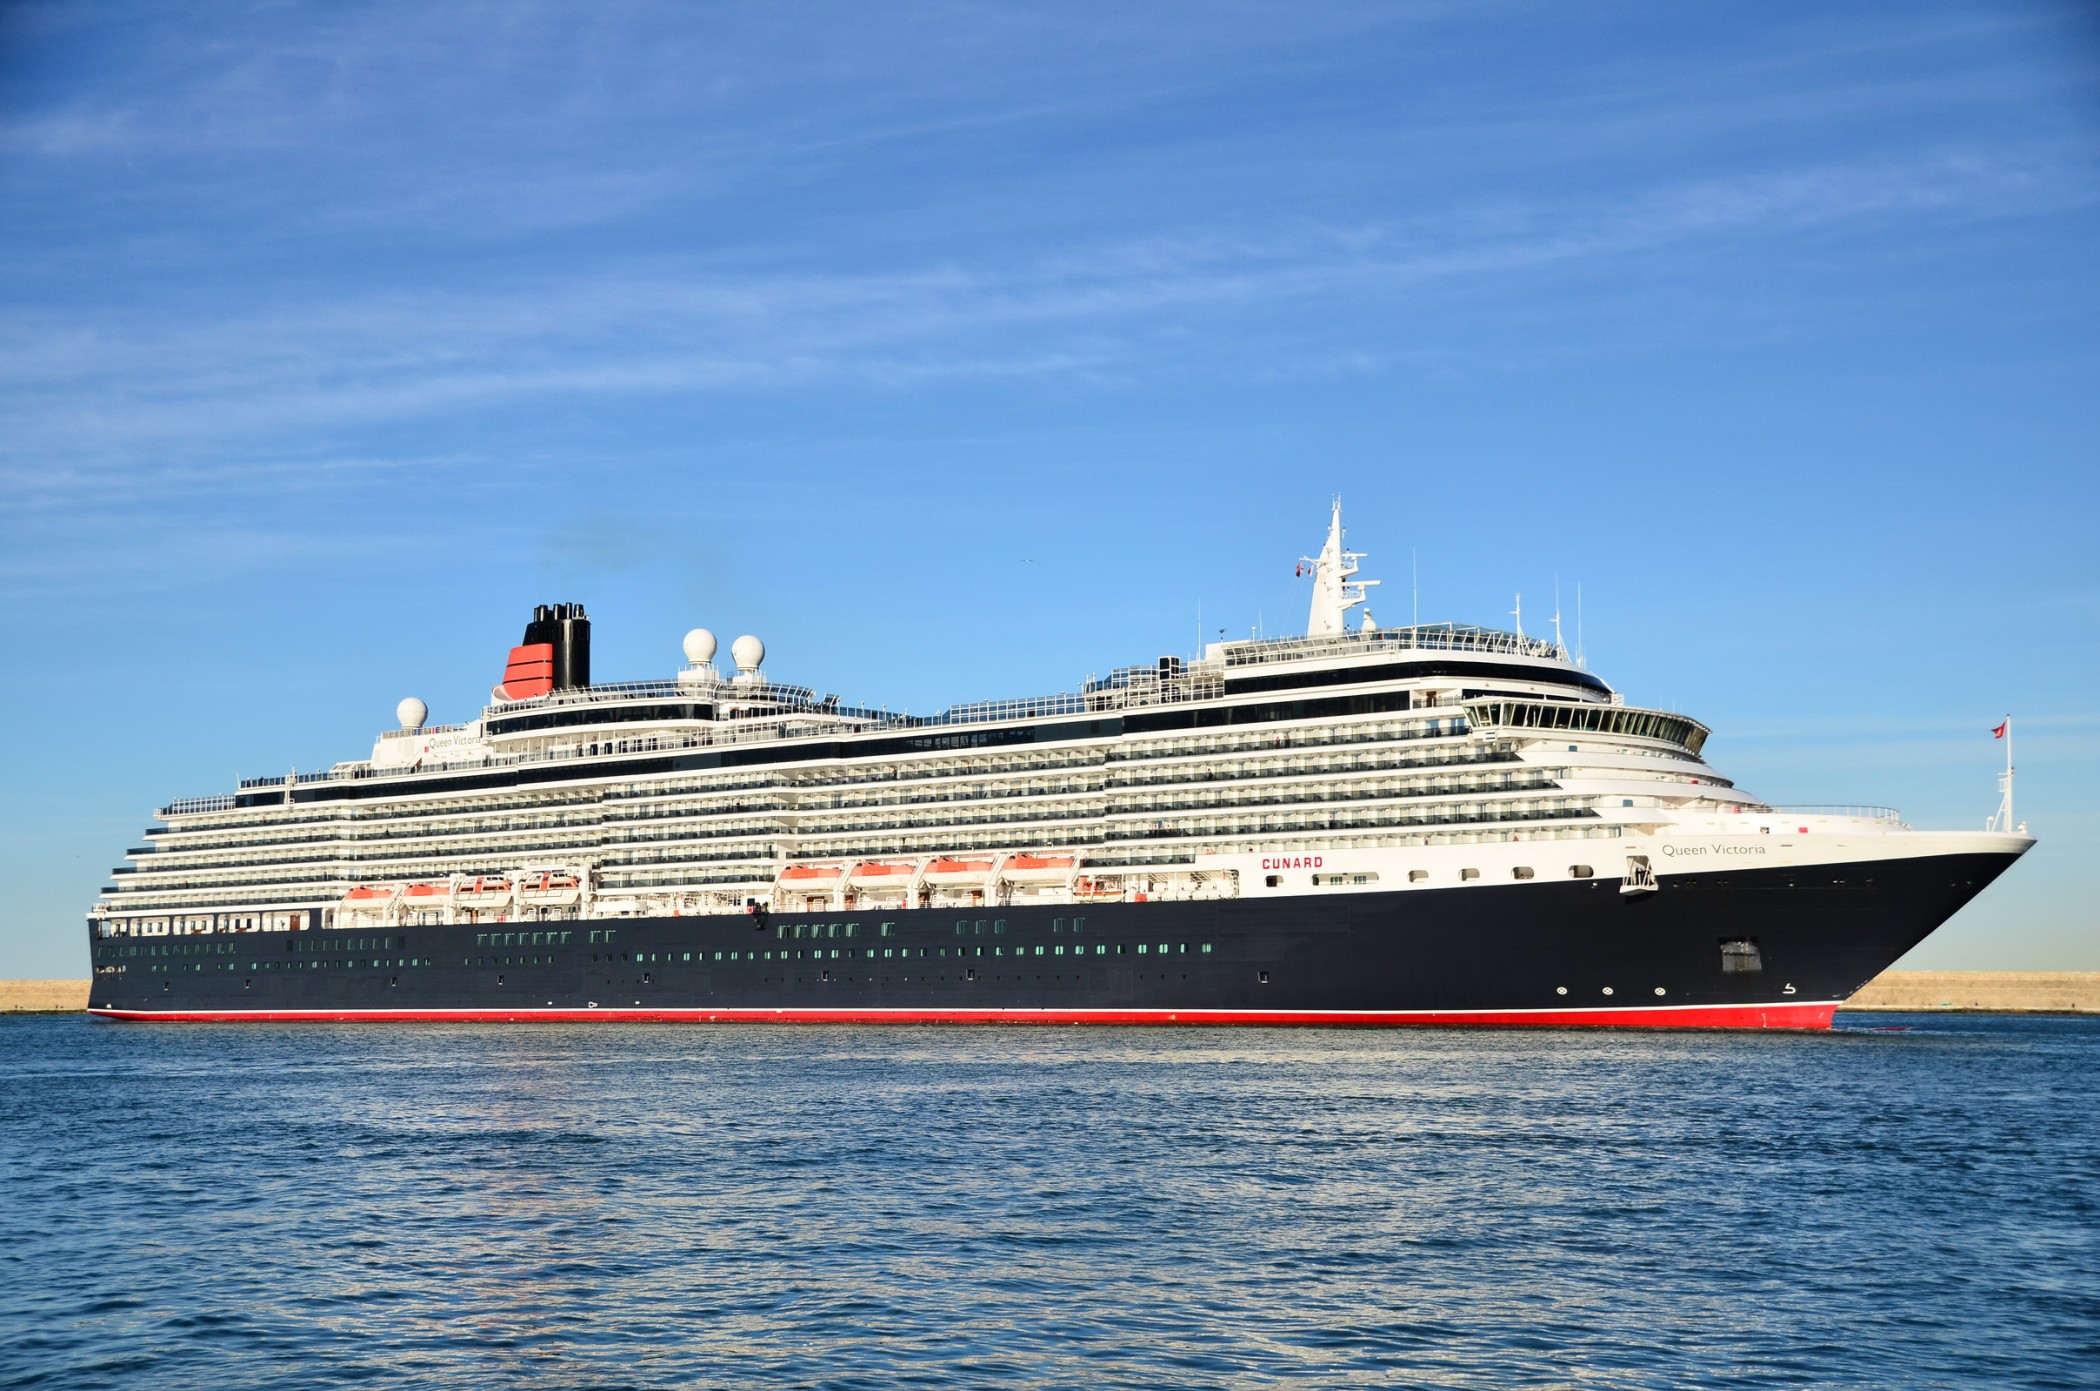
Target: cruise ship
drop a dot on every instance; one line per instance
(1365, 825)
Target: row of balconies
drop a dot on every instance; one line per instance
(1344, 821)
(1297, 765)
(1331, 793)
(789, 777)
(349, 853)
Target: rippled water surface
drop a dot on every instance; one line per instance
(599, 1206)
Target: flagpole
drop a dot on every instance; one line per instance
(2009, 822)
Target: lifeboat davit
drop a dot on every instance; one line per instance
(1039, 869)
(958, 871)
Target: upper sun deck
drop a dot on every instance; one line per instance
(1172, 680)
(1420, 637)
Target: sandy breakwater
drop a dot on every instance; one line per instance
(43, 996)
(1993, 992)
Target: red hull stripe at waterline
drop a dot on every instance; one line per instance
(1768, 1016)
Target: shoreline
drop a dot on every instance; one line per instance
(1891, 992)
(1978, 992)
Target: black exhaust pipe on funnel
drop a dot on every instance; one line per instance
(567, 629)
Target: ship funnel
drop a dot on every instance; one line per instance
(555, 654)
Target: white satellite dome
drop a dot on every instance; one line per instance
(747, 652)
(411, 712)
(699, 647)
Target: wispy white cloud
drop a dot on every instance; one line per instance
(551, 215)
(90, 394)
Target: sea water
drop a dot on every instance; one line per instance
(1907, 1202)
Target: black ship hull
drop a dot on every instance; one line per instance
(1752, 949)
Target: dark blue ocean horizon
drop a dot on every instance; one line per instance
(1909, 1202)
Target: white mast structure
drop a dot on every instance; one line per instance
(1335, 592)
(2003, 820)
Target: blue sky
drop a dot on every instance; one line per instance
(960, 350)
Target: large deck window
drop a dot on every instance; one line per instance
(1688, 734)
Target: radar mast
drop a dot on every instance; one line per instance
(1335, 592)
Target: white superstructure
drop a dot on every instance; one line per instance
(1342, 761)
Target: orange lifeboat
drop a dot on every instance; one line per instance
(371, 893)
(958, 871)
(1038, 869)
(548, 886)
(425, 891)
(876, 869)
(804, 874)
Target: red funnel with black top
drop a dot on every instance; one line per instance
(555, 655)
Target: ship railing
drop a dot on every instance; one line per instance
(1857, 813)
(1018, 708)
(280, 779)
(752, 692)
(190, 806)
(1438, 637)
(1190, 683)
